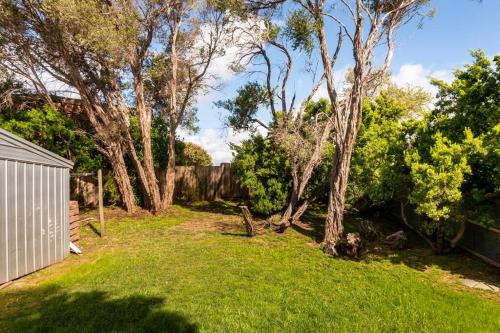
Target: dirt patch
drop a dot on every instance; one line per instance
(212, 224)
(113, 212)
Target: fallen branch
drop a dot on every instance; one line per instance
(397, 240)
(403, 216)
(460, 233)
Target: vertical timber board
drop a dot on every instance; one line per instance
(4, 268)
(203, 182)
(197, 183)
(11, 197)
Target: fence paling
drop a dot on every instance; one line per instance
(202, 183)
(192, 183)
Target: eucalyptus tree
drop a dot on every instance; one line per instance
(101, 50)
(194, 34)
(320, 29)
(273, 54)
(369, 25)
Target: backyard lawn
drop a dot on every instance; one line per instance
(195, 271)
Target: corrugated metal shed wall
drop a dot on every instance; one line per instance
(34, 216)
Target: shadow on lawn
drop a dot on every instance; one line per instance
(417, 255)
(50, 310)
(216, 207)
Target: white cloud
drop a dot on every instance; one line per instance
(216, 142)
(418, 75)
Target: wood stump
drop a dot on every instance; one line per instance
(350, 246)
(397, 240)
(248, 221)
(368, 231)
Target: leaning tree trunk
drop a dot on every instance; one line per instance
(294, 197)
(121, 176)
(169, 184)
(334, 224)
(144, 118)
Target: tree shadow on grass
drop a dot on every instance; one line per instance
(312, 224)
(217, 207)
(417, 255)
(52, 310)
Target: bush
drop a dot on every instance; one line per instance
(264, 170)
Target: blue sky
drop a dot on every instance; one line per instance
(441, 45)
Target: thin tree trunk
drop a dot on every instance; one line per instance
(144, 117)
(121, 176)
(168, 193)
(294, 197)
(299, 184)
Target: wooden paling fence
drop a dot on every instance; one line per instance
(207, 183)
(192, 183)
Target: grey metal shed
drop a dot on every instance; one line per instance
(34, 200)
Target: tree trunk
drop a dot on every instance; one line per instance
(334, 224)
(294, 197)
(121, 177)
(299, 183)
(168, 192)
(144, 118)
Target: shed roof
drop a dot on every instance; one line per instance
(16, 149)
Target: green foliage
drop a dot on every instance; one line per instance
(192, 154)
(472, 100)
(436, 191)
(376, 166)
(470, 107)
(444, 161)
(53, 131)
(106, 28)
(243, 108)
(300, 30)
(264, 170)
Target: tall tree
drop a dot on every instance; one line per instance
(194, 35)
(368, 24)
(270, 51)
(101, 49)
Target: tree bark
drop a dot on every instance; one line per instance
(144, 120)
(168, 192)
(334, 224)
(114, 153)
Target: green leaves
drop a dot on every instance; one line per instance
(437, 182)
(243, 108)
(53, 131)
(264, 170)
(300, 31)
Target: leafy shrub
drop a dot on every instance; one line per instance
(264, 171)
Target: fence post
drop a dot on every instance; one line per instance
(101, 203)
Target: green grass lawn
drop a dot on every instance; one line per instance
(195, 271)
